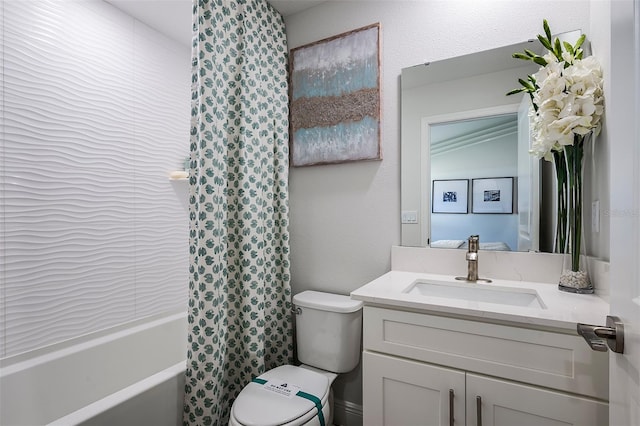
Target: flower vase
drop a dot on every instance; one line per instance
(574, 277)
(560, 239)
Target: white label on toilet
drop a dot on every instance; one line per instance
(281, 388)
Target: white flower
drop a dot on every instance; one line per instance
(550, 58)
(567, 57)
(570, 102)
(552, 69)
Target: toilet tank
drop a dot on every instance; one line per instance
(328, 330)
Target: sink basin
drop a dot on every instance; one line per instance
(510, 296)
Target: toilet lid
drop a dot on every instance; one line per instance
(275, 402)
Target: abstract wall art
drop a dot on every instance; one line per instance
(335, 99)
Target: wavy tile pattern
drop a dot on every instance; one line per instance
(2, 156)
(96, 113)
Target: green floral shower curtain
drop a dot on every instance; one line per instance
(240, 294)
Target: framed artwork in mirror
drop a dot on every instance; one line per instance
(450, 196)
(335, 99)
(492, 195)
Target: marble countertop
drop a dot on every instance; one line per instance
(561, 310)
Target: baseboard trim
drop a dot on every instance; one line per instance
(346, 413)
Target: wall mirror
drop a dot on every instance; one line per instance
(464, 151)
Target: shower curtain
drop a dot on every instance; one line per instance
(240, 295)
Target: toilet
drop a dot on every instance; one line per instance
(328, 332)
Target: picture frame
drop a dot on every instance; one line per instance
(335, 97)
(450, 196)
(492, 195)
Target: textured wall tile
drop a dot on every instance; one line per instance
(162, 104)
(81, 165)
(2, 195)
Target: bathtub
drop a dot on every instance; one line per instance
(129, 375)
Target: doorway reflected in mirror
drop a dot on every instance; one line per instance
(469, 150)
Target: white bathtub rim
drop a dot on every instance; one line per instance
(19, 362)
(88, 412)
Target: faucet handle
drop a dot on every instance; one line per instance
(474, 243)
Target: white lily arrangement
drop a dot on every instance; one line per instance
(568, 102)
(566, 94)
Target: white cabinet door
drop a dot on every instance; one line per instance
(398, 392)
(507, 404)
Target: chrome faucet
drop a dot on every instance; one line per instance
(472, 261)
(472, 258)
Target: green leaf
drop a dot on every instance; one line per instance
(521, 56)
(530, 53)
(557, 49)
(580, 41)
(526, 84)
(547, 31)
(546, 43)
(569, 48)
(540, 61)
(515, 91)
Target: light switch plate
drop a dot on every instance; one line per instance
(409, 217)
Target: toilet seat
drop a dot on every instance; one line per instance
(275, 403)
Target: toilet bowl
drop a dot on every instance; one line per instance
(328, 332)
(286, 395)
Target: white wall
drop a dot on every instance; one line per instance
(596, 172)
(345, 218)
(95, 115)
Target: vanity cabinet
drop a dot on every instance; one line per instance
(422, 369)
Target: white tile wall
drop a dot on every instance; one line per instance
(95, 115)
